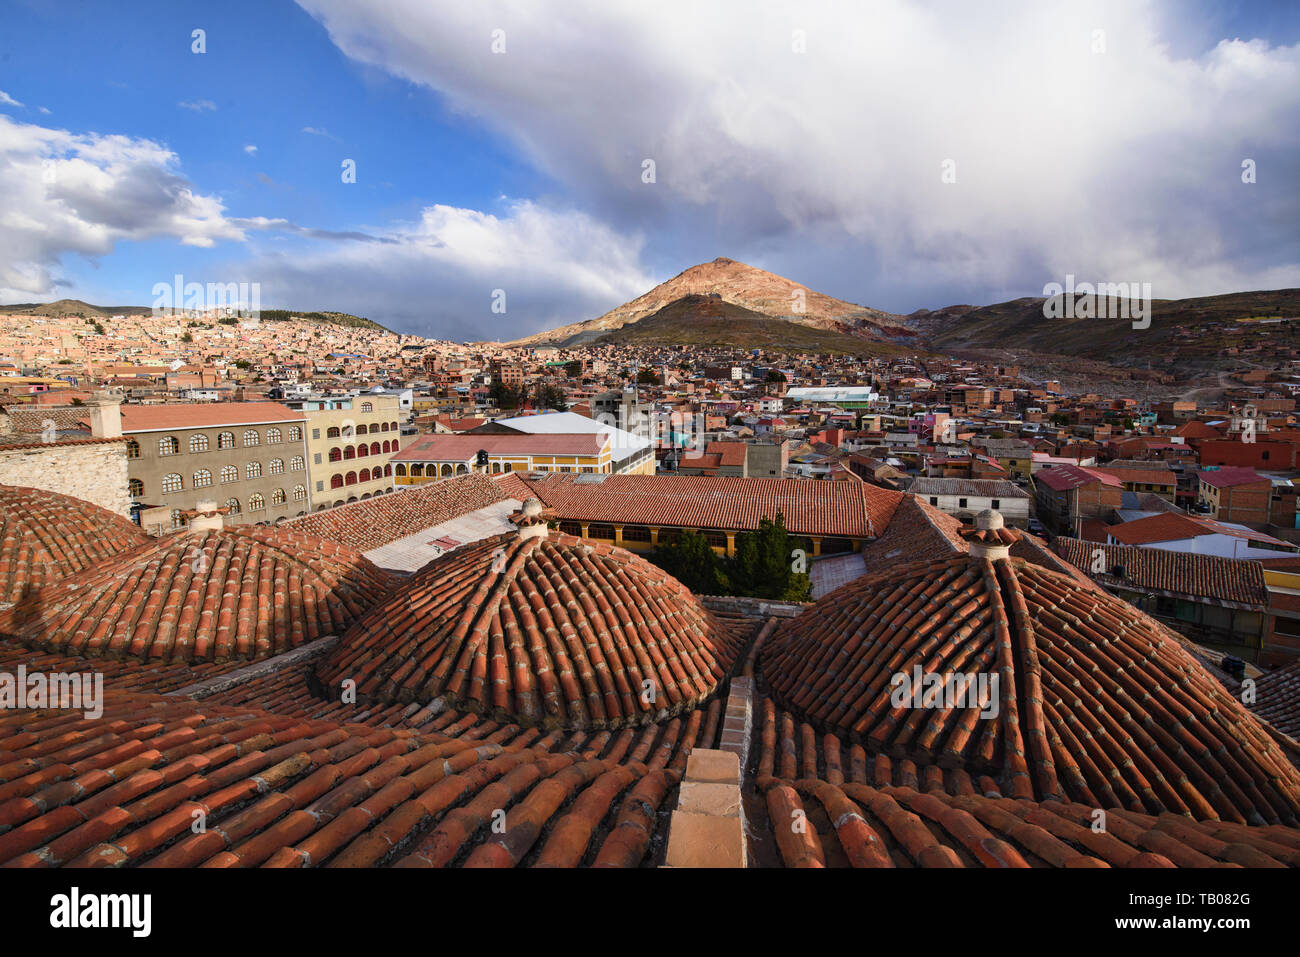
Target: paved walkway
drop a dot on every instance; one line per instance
(828, 574)
(415, 551)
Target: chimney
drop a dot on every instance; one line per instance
(990, 538)
(206, 518)
(105, 416)
(531, 524)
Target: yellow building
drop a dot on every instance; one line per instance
(351, 441)
(431, 457)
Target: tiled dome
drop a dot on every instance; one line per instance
(541, 630)
(45, 536)
(204, 595)
(1096, 702)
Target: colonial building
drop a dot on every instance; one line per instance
(350, 440)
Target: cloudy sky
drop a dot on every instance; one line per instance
(405, 159)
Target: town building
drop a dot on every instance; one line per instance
(350, 441)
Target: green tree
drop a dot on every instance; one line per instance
(693, 562)
(775, 375)
(573, 368)
(647, 377)
(551, 397)
(764, 563)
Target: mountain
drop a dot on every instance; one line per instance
(710, 321)
(755, 290)
(1185, 336)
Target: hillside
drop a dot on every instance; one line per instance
(75, 307)
(709, 321)
(1186, 337)
(755, 290)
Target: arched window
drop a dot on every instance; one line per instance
(275, 467)
(496, 468)
(361, 429)
(202, 478)
(374, 448)
(332, 432)
(386, 447)
(272, 436)
(461, 469)
(388, 470)
(364, 476)
(168, 445)
(295, 433)
(278, 497)
(134, 488)
(251, 438)
(297, 464)
(417, 470)
(198, 442)
(394, 426)
(229, 474)
(256, 502)
(401, 470)
(446, 469)
(299, 493)
(172, 482)
(233, 505)
(178, 520)
(367, 407)
(351, 479)
(132, 449)
(348, 430)
(508, 467)
(336, 454)
(384, 427)
(336, 481)
(253, 470)
(225, 440)
(349, 452)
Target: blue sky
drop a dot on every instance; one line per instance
(522, 171)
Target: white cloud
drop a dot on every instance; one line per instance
(1122, 164)
(198, 106)
(7, 100)
(82, 194)
(437, 276)
(250, 149)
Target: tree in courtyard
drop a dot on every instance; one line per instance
(693, 562)
(764, 564)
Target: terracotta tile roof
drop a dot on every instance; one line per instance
(724, 502)
(66, 418)
(551, 631)
(510, 485)
(462, 448)
(284, 791)
(1098, 703)
(1147, 476)
(989, 488)
(1174, 526)
(1277, 699)
(1196, 429)
(377, 521)
(1210, 576)
(157, 418)
(243, 592)
(916, 532)
(730, 454)
(45, 536)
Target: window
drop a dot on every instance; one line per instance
(233, 505)
(934, 500)
(351, 479)
(349, 452)
(365, 475)
(332, 432)
(225, 440)
(715, 539)
(384, 427)
(178, 520)
(388, 470)
(336, 481)
(320, 485)
(198, 443)
(297, 464)
(417, 470)
(348, 431)
(135, 488)
(374, 448)
(361, 429)
(172, 483)
(251, 438)
(295, 433)
(272, 436)
(996, 504)
(315, 433)
(251, 471)
(336, 454)
(367, 407)
(229, 474)
(394, 426)
(168, 445)
(636, 533)
(275, 467)
(602, 531)
(401, 470)
(202, 478)
(387, 446)
(132, 449)
(961, 503)
(278, 497)
(299, 493)
(256, 502)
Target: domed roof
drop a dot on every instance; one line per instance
(538, 629)
(45, 536)
(1085, 698)
(204, 595)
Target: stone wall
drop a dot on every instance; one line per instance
(93, 470)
